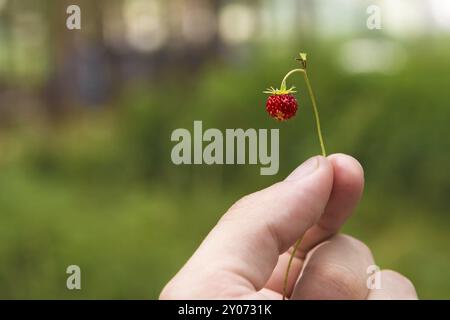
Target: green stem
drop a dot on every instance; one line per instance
(324, 153)
(314, 104)
(286, 275)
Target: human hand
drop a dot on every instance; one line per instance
(246, 254)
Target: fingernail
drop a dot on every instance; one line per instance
(307, 167)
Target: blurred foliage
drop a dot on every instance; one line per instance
(99, 190)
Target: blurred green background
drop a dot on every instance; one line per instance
(86, 116)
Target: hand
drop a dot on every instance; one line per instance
(246, 254)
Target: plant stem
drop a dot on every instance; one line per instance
(324, 153)
(288, 268)
(314, 104)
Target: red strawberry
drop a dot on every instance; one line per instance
(281, 104)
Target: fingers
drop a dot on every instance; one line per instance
(276, 280)
(336, 269)
(348, 184)
(393, 286)
(242, 250)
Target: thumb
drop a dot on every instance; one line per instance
(242, 250)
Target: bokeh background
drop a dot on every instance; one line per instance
(86, 117)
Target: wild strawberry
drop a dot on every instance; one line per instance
(281, 104)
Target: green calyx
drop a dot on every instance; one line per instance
(282, 90)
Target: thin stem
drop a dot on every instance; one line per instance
(316, 114)
(286, 275)
(313, 101)
(283, 83)
(324, 153)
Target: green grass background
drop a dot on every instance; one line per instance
(99, 189)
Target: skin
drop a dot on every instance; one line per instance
(245, 255)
